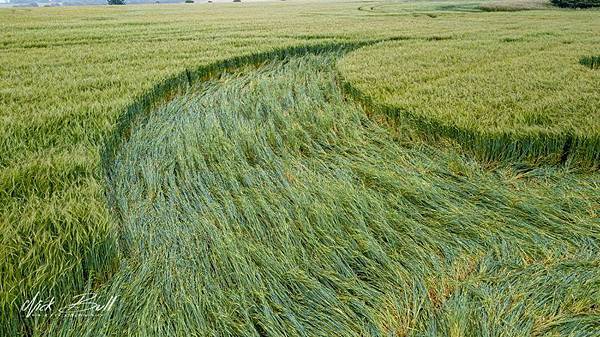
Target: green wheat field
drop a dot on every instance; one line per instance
(300, 168)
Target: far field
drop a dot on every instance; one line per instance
(297, 168)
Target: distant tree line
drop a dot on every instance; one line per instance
(576, 3)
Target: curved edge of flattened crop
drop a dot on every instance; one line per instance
(162, 92)
(578, 151)
(176, 84)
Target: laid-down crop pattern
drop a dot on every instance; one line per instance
(265, 203)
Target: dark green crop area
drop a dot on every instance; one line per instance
(208, 166)
(511, 96)
(592, 62)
